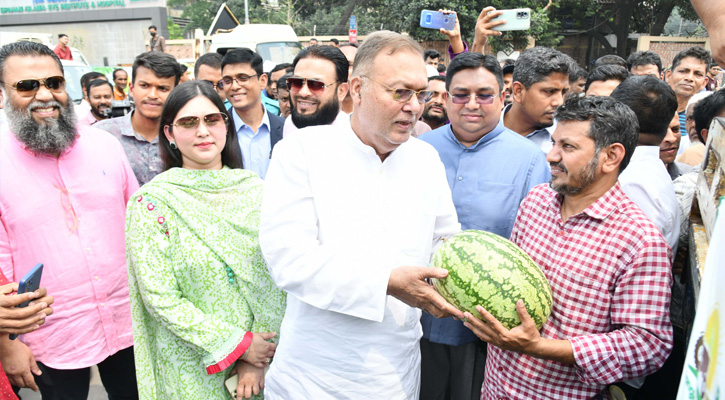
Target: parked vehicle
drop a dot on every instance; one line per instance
(275, 43)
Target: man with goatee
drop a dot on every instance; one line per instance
(63, 194)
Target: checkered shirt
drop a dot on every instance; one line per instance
(610, 277)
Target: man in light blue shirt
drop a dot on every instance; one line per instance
(258, 129)
(490, 169)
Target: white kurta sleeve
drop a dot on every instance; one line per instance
(343, 278)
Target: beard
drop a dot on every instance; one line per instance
(325, 115)
(52, 136)
(580, 181)
(438, 119)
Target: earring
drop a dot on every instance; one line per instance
(172, 144)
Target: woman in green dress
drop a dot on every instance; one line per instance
(203, 303)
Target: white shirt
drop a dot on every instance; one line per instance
(541, 137)
(335, 222)
(647, 183)
(290, 127)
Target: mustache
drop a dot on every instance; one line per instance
(558, 165)
(43, 104)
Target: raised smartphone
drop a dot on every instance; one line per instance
(29, 283)
(437, 20)
(518, 19)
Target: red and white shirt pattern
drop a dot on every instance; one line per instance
(610, 278)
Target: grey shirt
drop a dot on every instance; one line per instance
(142, 154)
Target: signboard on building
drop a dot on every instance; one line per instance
(14, 7)
(352, 33)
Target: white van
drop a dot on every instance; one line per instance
(275, 43)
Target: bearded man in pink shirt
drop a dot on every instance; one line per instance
(63, 194)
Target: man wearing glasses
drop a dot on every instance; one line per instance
(490, 170)
(63, 194)
(258, 129)
(540, 82)
(317, 88)
(153, 76)
(350, 215)
(208, 68)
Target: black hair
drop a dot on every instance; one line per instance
(707, 109)
(537, 63)
(330, 53)
(441, 68)
(349, 44)
(577, 73)
(60, 35)
(333, 40)
(90, 76)
(26, 49)
(178, 98)
(212, 60)
(696, 52)
(652, 100)
(430, 53)
(96, 82)
(606, 73)
(644, 58)
(244, 56)
(116, 70)
(282, 81)
(612, 122)
(153, 27)
(280, 67)
(473, 60)
(437, 78)
(161, 64)
(610, 59)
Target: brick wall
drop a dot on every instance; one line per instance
(668, 50)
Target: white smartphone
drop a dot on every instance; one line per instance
(518, 19)
(231, 385)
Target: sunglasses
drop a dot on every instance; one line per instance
(404, 95)
(29, 86)
(240, 79)
(313, 85)
(483, 99)
(215, 121)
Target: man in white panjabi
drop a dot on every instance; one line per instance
(350, 216)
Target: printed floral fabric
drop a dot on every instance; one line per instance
(197, 279)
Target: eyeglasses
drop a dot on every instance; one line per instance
(240, 79)
(212, 84)
(216, 121)
(27, 87)
(404, 95)
(313, 85)
(464, 98)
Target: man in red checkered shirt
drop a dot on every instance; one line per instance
(607, 264)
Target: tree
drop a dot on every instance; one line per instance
(174, 30)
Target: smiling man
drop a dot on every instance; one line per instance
(349, 219)
(63, 194)
(496, 167)
(153, 75)
(100, 95)
(317, 88)
(258, 129)
(607, 264)
(540, 81)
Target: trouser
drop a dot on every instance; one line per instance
(118, 374)
(451, 372)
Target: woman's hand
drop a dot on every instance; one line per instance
(251, 380)
(260, 350)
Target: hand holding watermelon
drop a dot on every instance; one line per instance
(408, 284)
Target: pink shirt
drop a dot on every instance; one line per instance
(69, 214)
(86, 119)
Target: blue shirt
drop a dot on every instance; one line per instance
(270, 104)
(256, 147)
(488, 181)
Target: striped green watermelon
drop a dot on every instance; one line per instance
(488, 270)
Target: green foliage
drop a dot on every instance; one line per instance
(174, 30)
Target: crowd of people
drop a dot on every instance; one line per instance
(255, 233)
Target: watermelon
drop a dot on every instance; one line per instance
(488, 270)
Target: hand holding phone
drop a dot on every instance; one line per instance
(518, 19)
(437, 20)
(29, 283)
